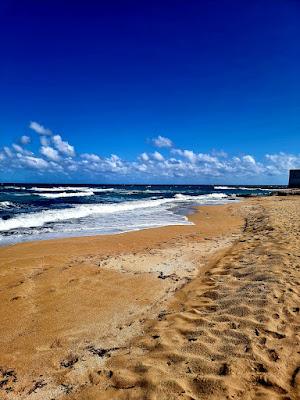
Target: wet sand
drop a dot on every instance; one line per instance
(209, 311)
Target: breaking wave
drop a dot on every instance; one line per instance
(201, 198)
(224, 188)
(6, 204)
(38, 219)
(70, 189)
(65, 194)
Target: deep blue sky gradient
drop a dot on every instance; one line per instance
(218, 74)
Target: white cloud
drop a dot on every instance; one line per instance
(25, 139)
(17, 148)
(189, 154)
(141, 167)
(50, 153)
(63, 146)
(7, 151)
(282, 161)
(33, 162)
(96, 164)
(249, 159)
(58, 157)
(207, 158)
(194, 157)
(44, 141)
(144, 157)
(115, 163)
(162, 141)
(91, 157)
(157, 156)
(40, 129)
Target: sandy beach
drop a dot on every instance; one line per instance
(203, 311)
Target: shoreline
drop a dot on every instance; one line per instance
(189, 211)
(94, 317)
(238, 197)
(192, 210)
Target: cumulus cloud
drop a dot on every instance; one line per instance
(162, 141)
(284, 161)
(58, 156)
(50, 153)
(157, 156)
(207, 158)
(63, 146)
(249, 159)
(107, 165)
(193, 157)
(144, 157)
(40, 129)
(25, 139)
(91, 157)
(189, 154)
(33, 162)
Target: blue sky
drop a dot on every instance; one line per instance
(110, 77)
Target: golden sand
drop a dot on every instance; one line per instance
(208, 311)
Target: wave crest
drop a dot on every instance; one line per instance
(70, 189)
(41, 218)
(5, 204)
(65, 194)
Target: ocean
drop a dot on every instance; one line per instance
(35, 212)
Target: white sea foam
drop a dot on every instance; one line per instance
(258, 188)
(80, 211)
(201, 198)
(41, 218)
(70, 189)
(240, 188)
(247, 188)
(13, 187)
(65, 194)
(96, 190)
(5, 204)
(59, 189)
(139, 191)
(224, 187)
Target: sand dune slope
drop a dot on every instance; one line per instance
(231, 333)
